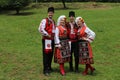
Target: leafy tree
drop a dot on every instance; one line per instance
(4, 3)
(14, 4)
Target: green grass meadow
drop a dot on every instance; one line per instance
(21, 47)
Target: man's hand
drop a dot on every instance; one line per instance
(49, 36)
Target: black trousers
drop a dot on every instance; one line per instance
(47, 58)
(74, 49)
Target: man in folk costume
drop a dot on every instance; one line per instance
(62, 49)
(47, 29)
(73, 41)
(85, 36)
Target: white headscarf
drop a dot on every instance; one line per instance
(80, 19)
(60, 18)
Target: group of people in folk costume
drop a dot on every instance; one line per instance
(63, 39)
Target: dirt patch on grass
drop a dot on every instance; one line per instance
(117, 46)
(90, 5)
(96, 6)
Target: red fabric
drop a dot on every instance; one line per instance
(70, 35)
(91, 68)
(82, 32)
(85, 72)
(62, 70)
(47, 51)
(49, 28)
(73, 40)
(58, 57)
(62, 31)
(90, 51)
(57, 52)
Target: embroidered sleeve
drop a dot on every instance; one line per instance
(56, 38)
(42, 28)
(90, 34)
(53, 31)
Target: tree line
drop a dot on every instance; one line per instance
(76, 0)
(19, 4)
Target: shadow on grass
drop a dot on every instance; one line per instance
(21, 14)
(4, 12)
(13, 13)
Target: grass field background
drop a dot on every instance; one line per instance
(21, 49)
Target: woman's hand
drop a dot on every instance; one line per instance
(84, 38)
(58, 46)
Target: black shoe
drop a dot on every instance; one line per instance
(92, 71)
(76, 67)
(71, 70)
(46, 74)
(50, 70)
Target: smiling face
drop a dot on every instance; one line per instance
(72, 18)
(50, 14)
(62, 22)
(79, 23)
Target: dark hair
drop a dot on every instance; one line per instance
(51, 9)
(72, 13)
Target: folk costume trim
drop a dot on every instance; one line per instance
(72, 32)
(62, 32)
(62, 55)
(81, 32)
(48, 46)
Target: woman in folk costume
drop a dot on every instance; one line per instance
(85, 36)
(62, 49)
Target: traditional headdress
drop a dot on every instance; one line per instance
(60, 18)
(80, 19)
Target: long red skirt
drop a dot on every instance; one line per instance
(62, 55)
(85, 52)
